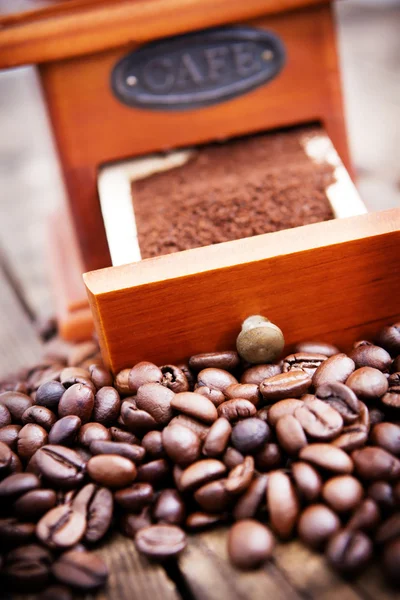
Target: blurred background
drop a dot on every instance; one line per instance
(369, 41)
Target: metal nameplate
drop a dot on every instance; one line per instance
(198, 69)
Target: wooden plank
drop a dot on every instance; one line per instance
(309, 573)
(209, 575)
(88, 29)
(170, 307)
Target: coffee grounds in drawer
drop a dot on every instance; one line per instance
(232, 190)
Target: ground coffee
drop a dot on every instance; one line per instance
(228, 191)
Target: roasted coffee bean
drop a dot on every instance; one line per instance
(368, 383)
(337, 368)
(317, 348)
(107, 405)
(392, 398)
(199, 520)
(160, 541)
(181, 444)
(282, 408)
(250, 544)
(232, 458)
(328, 457)
(282, 503)
(269, 457)
(227, 360)
(249, 502)
(100, 376)
(317, 524)
(61, 527)
(394, 379)
(388, 530)
(96, 504)
(213, 497)
(169, 508)
(234, 410)
(368, 355)
(91, 432)
(131, 523)
(257, 373)
(63, 467)
(366, 516)
(5, 416)
(285, 385)
(155, 472)
(152, 444)
(201, 472)
(135, 497)
(262, 414)
(15, 465)
(307, 480)
(200, 429)
(30, 439)
(142, 373)
(196, 406)
(55, 592)
(40, 415)
(349, 551)
(319, 420)
(303, 361)
(191, 379)
(248, 436)
(343, 493)
(391, 561)
(17, 484)
(351, 438)
(174, 379)
(290, 434)
(16, 403)
(34, 504)
(69, 374)
(49, 394)
(27, 568)
(387, 436)
(341, 398)
(374, 463)
(77, 400)
(240, 476)
(215, 379)
(248, 391)
(119, 435)
(14, 533)
(121, 382)
(217, 438)
(137, 420)
(82, 570)
(389, 338)
(111, 470)
(9, 435)
(382, 493)
(215, 396)
(65, 431)
(376, 415)
(156, 400)
(5, 457)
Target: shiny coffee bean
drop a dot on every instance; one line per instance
(27, 568)
(9, 435)
(153, 446)
(156, 400)
(268, 458)
(136, 420)
(382, 493)
(317, 348)
(111, 470)
(135, 497)
(61, 527)
(40, 415)
(49, 394)
(248, 436)
(250, 501)
(250, 544)
(319, 420)
(142, 373)
(349, 551)
(307, 480)
(160, 541)
(317, 524)
(282, 503)
(200, 520)
(18, 484)
(100, 376)
(96, 504)
(248, 391)
(5, 457)
(217, 438)
(389, 338)
(169, 508)
(83, 570)
(257, 373)
(391, 399)
(156, 472)
(337, 368)
(16, 403)
(303, 361)
(227, 360)
(352, 437)
(14, 533)
(215, 396)
(107, 405)
(343, 493)
(181, 444)
(30, 439)
(368, 383)
(215, 379)
(213, 497)
(15, 465)
(65, 431)
(77, 400)
(365, 517)
(283, 408)
(195, 406)
(368, 355)
(5, 416)
(234, 410)
(285, 385)
(232, 458)
(240, 476)
(387, 436)
(327, 457)
(290, 434)
(372, 463)
(201, 472)
(341, 398)
(70, 375)
(119, 435)
(61, 466)
(200, 429)
(91, 432)
(174, 379)
(131, 523)
(121, 382)
(34, 504)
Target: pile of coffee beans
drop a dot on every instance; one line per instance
(306, 446)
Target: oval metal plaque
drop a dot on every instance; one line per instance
(198, 69)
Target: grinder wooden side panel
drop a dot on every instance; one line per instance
(338, 281)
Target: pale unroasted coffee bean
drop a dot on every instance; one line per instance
(368, 383)
(17, 484)
(282, 408)
(107, 405)
(282, 503)
(307, 480)
(143, 372)
(63, 467)
(160, 541)
(30, 438)
(169, 508)
(249, 502)
(373, 463)
(317, 524)
(111, 470)
(156, 400)
(65, 431)
(215, 379)
(213, 497)
(258, 373)
(234, 410)
(337, 368)
(290, 434)
(196, 406)
(285, 385)
(40, 415)
(327, 457)
(174, 379)
(343, 493)
(349, 551)
(91, 432)
(49, 394)
(181, 444)
(227, 360)
(259, 340)
(135, 497)
(366, 516)
(303, 361)
(201, 472)
(341, 398)
(77, 400)
(153, 446)
(217, 438)
(61, 527)
(387, 436)
(319, 420)
(368, 355)
(248, 436)
(317, 348)
(250, 544)
(240, 476)
(82, 570)
(34, 504)
(16, 403)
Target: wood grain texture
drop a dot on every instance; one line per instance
(336, 281)
(89, 27)
(79, 96)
